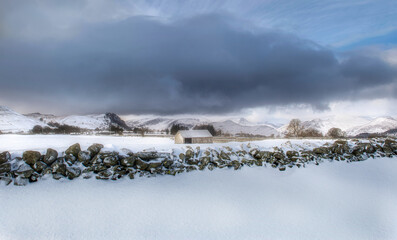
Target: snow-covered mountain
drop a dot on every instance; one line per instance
(342, 122)
(378, 125)
(233, 128)
(91, 122)
(13, 122)
(163, 123)
(323, 125)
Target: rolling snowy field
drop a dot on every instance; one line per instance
(330, 201)
(335, 200)
(19, 143)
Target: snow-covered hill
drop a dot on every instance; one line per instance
(342, 122)
(232, 127)
(13, 122)
(378, 125)
(323, 125)
(162, 123)
(91, 122)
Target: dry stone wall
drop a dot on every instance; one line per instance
(95, 162)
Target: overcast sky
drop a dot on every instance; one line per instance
(265, 60)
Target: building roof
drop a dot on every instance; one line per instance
(194, 133)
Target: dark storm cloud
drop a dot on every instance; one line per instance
(203, 64)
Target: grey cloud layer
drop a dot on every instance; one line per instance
(203, 64)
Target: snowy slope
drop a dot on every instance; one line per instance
(378, 125)
(161, 123)
(16, 144)
(232, 127)
(12, 122)
(91, 122)
(344, 123)
(324, 124)
(334, 200)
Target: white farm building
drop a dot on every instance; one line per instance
(193, 136)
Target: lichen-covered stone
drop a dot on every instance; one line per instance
(73, 172)
(94, 149)
(368, 148)
(204, 160)
(39, 166)
(259, 163)
(5, 167)
(278, 155)
(141, 164)
(47, 171)
(34, 177)
(191, 161)
(59, 167)
(110, 160)
(24, 170)
(128, 161)
(84, 157)
(73, 150)
(189, 154)
(5, 157)
(98, 168)
(154, 164)
(291, 154)
(6, 178)
(147, 156)
(167, 163)
(320, 150)
(131, 175)
(104, 175)
(254, 152)
(224, 156)
(31, 157)
(211, 166)
(50, 156)
(236, 164)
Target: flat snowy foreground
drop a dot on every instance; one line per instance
(334, 200)
(19, 143)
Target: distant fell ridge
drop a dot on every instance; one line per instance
(13, 122)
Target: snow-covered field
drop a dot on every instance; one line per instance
(331, 201)
(335, 200)
(19, 143)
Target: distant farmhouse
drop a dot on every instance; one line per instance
(193, 136)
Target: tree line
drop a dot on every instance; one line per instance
(56, 128)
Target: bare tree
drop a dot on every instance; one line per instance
(144, 131)
(335, 133)
(311, 132)
(295, 128)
